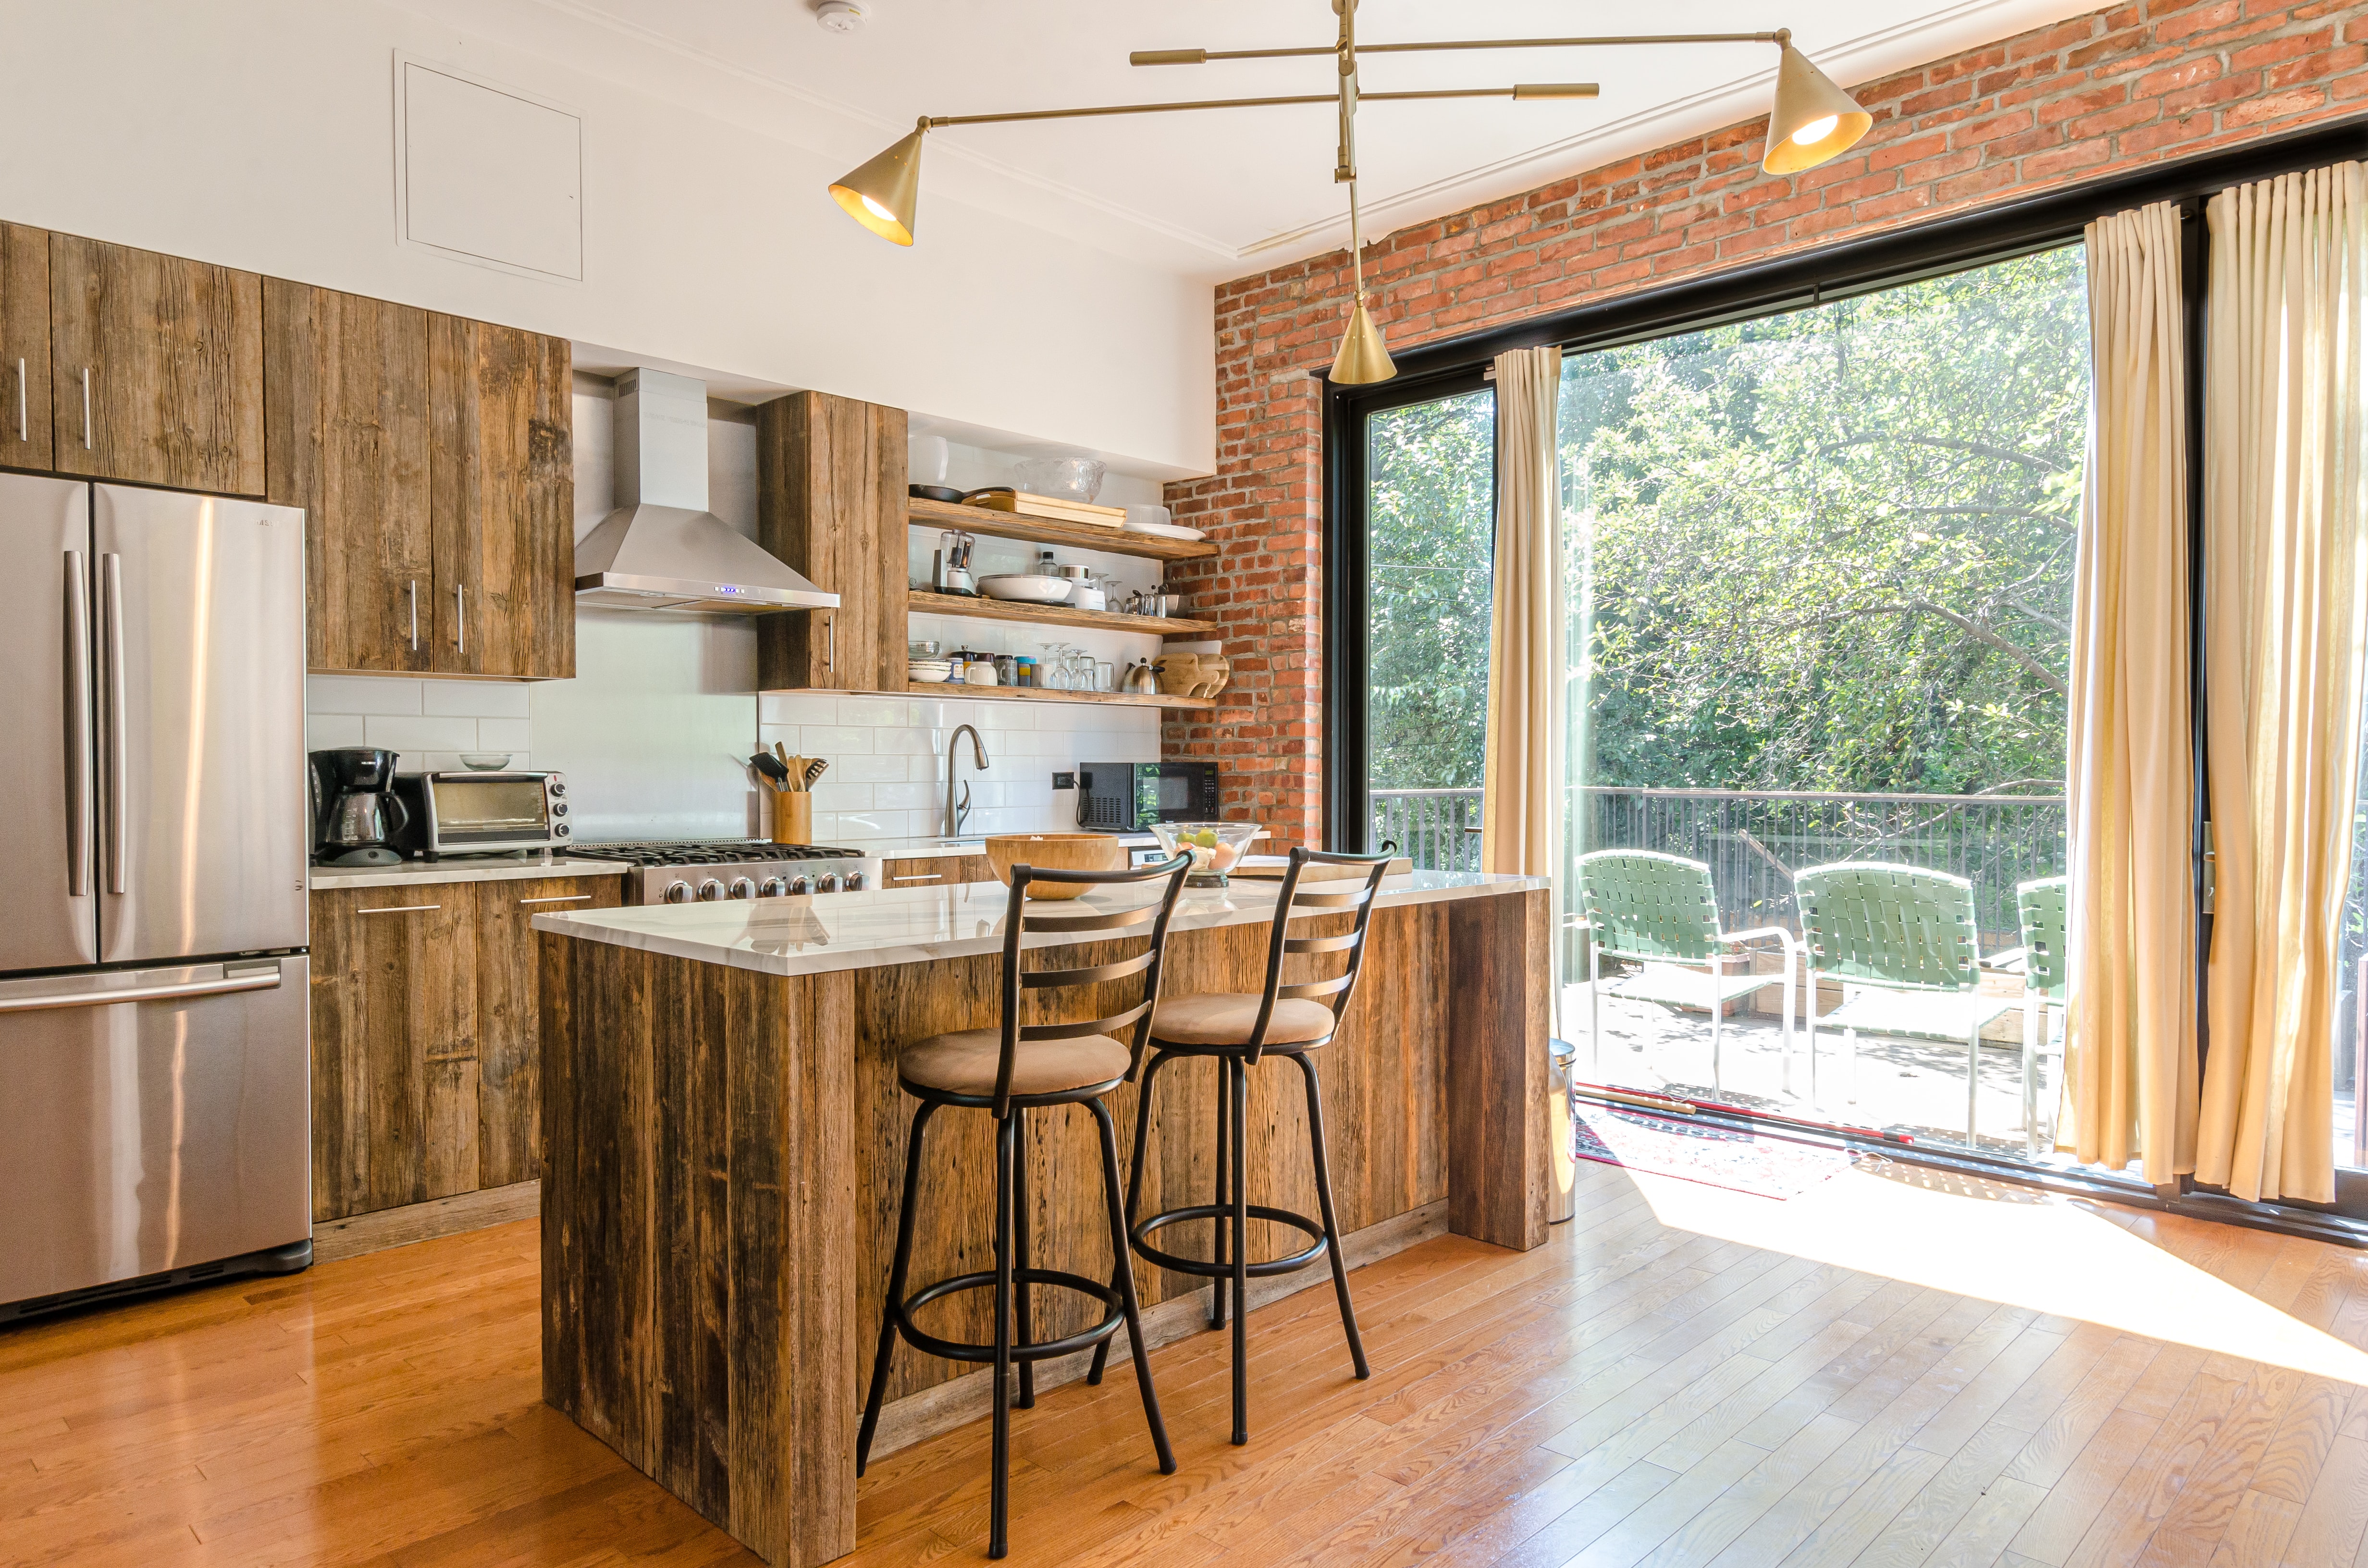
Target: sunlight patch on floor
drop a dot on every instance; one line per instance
(2051, 1256)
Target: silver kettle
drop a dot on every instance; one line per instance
(1140, 676)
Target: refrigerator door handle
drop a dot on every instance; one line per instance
(118, 743)
(254, 980)
(77, 727)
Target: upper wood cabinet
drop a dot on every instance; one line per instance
(345, 413)
(156, 368)
(24, 346)
(502, 499)
(830, 501)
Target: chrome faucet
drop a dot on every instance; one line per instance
(955, 813)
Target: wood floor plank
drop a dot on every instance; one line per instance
(2335, 1519)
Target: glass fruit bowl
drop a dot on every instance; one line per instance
(1216, 848)
(1063, 479)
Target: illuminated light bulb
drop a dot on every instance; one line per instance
(1817, 131)
(879, 212)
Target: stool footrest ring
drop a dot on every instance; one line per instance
(1222, 1212)
(1031, 1350)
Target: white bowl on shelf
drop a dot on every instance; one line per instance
(1162, 531)
(1026, 588)
(930, 672)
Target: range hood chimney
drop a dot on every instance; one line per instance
(662, 549)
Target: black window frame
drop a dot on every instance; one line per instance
(1954, 244)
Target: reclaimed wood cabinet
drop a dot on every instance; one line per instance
(25, 440)
(425, 1061)
(950, 870)
(501, 500)
(830, 501)
(345, 410)
(156, 369)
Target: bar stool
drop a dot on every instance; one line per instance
(1010, 1071)
(1238, 1029)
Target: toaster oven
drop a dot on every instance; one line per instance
(481, 813)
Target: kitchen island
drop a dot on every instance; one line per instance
(724, 1137)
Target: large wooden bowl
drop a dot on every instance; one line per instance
(1055, 852)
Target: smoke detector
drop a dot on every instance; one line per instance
(839, 15)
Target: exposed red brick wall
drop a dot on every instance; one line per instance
(2121, 86)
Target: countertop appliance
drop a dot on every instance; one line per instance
(1121, 797)
(499, 813)
(710, 870)
(355, 813)
(154, 1034)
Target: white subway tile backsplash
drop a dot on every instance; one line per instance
(361, 694)
(325, 730)
(474, 698)
(869, 770)
(797, 708)
(410, 733)
(504, 734)
(908, 797)
(835, 739)
(875, 712)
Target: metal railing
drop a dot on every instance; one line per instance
(1755, 840)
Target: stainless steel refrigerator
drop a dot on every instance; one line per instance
(155, 1100)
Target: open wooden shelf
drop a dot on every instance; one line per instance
(925, 513)
(921, 601)
(956, 690)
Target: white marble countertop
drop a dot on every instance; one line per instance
(819, 932)
(929, 848)
(428, 873)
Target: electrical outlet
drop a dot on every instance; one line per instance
(1064, 781)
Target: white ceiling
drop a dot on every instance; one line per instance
(1223, 192)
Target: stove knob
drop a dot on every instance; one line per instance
(854, 882)
(800, 886)
(710, 892)
(678, 892)
(743, 888)
(828, 882)
(775, 887)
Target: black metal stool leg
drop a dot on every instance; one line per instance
(896, 1272)
(1027, 1330)
(1241, 1104)
(1133, 1188)
(1225, 1172)
(999, 1504)
(1331, 1225)
(1125, 1282)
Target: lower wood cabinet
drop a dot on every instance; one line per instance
(425, 1067)
(951, 871)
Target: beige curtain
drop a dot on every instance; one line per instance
(2132, 1021)
(2282, 520)
(1521, 801)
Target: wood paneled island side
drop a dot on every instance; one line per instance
(723, 1138)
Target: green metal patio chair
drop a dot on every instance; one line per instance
(1661, 911)
(1901, 940)
(2044, 963)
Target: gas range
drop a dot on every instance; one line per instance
(714, 870)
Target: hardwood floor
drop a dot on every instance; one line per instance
(1682, 1376)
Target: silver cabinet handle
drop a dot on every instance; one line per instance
(85, 408)
(556, 898)
(932, 877)
(254, 979)
(830, 634)
(24, 410)
(461, 605)
(400, 909)
(119, 762)
(413, 590)
(77, 726)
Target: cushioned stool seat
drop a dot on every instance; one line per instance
(965, 1063)
(1225, 1018)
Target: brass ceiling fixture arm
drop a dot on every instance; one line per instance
(1615, 41)
(1520, 92)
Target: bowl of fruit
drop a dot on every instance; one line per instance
(1215, 847)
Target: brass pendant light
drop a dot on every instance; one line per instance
(1811, 122)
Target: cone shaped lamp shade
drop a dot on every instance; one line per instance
(1362, 360)
(1813, 120)
(882, 194)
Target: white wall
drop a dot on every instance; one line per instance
(259, 134)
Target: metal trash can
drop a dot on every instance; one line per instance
(1561, 1163)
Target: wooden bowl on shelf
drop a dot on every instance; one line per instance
(1055, 852)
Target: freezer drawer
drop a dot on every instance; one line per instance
(154, 1119)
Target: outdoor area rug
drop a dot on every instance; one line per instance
(1692, 1150)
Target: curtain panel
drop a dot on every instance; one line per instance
(2283, 628)
(2131, 1027)
(1521, 803)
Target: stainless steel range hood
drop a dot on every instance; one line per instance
(662, 549)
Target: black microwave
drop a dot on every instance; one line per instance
(1123, 797)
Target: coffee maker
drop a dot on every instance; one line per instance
(356, 812)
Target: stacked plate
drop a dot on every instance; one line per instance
(930, 672)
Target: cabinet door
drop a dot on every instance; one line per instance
(510, 1081)
(156, 368)
(830, 501)
(502, 500)
(394, 1047)
(346, 408)
(941, 871)
(24, 346)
